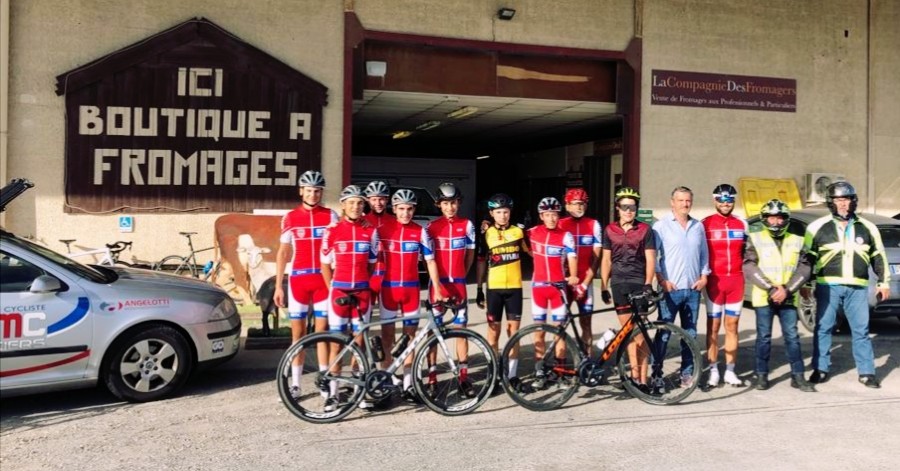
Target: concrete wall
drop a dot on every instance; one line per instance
(806, 41)
(847, 119)
(49, 37)
(885, 105)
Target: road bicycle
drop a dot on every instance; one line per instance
(187, 265)
(109, 255)
(436, 372)
(657, 362)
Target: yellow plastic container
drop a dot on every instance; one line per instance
(755, 192)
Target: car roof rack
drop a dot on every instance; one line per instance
(16, 187)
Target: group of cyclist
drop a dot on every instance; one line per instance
(375, 257)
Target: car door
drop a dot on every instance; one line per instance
(44, 337)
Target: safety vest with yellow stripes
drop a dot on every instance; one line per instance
(777, 264)
(843, 255)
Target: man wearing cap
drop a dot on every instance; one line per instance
(842, 246)
(725, 236)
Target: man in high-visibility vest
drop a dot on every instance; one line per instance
(774, 262)
(842, 246)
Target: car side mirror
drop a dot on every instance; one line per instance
(45, 284)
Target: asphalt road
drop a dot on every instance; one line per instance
(231, 418)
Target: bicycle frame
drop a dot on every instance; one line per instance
(106, 258)
(431, 327)
(635, 320)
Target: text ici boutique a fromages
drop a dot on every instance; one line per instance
(159, 166)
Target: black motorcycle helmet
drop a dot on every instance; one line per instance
(841, 190)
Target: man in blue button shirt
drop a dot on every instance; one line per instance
(681, 269)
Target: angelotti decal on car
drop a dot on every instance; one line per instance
(129, 304)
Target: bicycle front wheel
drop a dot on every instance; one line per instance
(316, 396)
(664, 371)
(176, 265)
(456, 376)
(539, 367)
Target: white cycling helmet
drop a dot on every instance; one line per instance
(378, 188)
(311, 178)
(549, 204)
(404, 196)
(352, 191)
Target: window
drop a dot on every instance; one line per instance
(16, 274)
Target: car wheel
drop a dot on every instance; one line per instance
(148, 364)
(807, 313)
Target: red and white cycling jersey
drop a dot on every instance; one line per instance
(587, 235)
(452, 237)
(304, 228)
(401, 246)
(349, 248)
(550, 249)
(725, 237)
(376, 221)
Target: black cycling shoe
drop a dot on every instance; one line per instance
(409, 396)
(466, 389)
(869, 381)
(818, 377)
(518, 386)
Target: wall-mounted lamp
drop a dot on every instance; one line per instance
(376, 68)
(401, 134)
(506, 13)
(462, 112)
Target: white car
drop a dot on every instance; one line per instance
(141, 334)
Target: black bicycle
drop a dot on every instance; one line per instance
(657, 362)
(438, 378)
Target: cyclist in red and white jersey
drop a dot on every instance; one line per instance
(301, 240)
(377, 194)
(349, 249)
(553, 250)
(586, 232)
(725, 236)
(403, 243)
(454, 252)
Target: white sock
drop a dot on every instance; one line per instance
(729, 367)
(333, 387)
(513, 367)
(323, 368)
(296, 371)
(407, 378)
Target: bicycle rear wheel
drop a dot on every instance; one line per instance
(540, 382)
(450, 392)
(176, 265)
(671, 364)
(309, 401)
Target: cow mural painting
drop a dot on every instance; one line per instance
(247, 245)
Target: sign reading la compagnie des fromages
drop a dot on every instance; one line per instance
(738, 92)
(192, 119)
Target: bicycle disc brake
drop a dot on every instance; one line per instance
(590, 373)
(378, 384)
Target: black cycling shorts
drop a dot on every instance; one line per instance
(498, 299)
(620, 294)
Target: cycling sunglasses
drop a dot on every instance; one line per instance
(628, 207)
(725, 198)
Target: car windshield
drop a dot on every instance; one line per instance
(890, 236)
(83, 271)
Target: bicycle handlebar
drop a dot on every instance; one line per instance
(119, 246)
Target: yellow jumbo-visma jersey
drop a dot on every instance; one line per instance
(503, 256)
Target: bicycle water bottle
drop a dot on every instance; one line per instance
(400, 346)
(208, 267)
(604, 339)
(377, 348)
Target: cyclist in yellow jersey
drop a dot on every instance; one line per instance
(500, 249)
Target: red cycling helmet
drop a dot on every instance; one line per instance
(576, 194)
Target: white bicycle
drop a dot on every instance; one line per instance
(108, 255)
